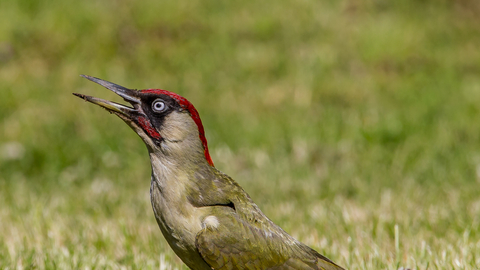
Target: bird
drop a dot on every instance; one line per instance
(206, 217)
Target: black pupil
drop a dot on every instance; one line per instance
(159, 105)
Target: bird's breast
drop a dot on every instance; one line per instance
(179, 222)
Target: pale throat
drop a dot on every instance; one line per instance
(179, 153)
(180, 139)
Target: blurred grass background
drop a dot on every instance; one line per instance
(353, 124)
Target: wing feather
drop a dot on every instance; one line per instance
(236, 244)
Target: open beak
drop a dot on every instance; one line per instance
(128, 95)
(133, 116)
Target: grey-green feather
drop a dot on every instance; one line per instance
(241, 236)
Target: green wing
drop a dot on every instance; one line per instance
(228, 242)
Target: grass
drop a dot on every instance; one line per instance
(354, 126)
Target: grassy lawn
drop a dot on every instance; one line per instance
(354, 125)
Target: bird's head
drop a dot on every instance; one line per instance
(167, 122)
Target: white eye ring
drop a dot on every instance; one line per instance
(158, 105)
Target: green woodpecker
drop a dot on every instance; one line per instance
(206, 217)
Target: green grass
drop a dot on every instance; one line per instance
(354, 126)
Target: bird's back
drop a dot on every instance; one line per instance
(237, 235)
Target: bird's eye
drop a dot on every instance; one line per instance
(159, 105)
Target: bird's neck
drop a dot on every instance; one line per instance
(181, 145)
(174, 166)
(178, 219)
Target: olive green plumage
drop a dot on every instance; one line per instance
(244, 237)
(206, 217)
